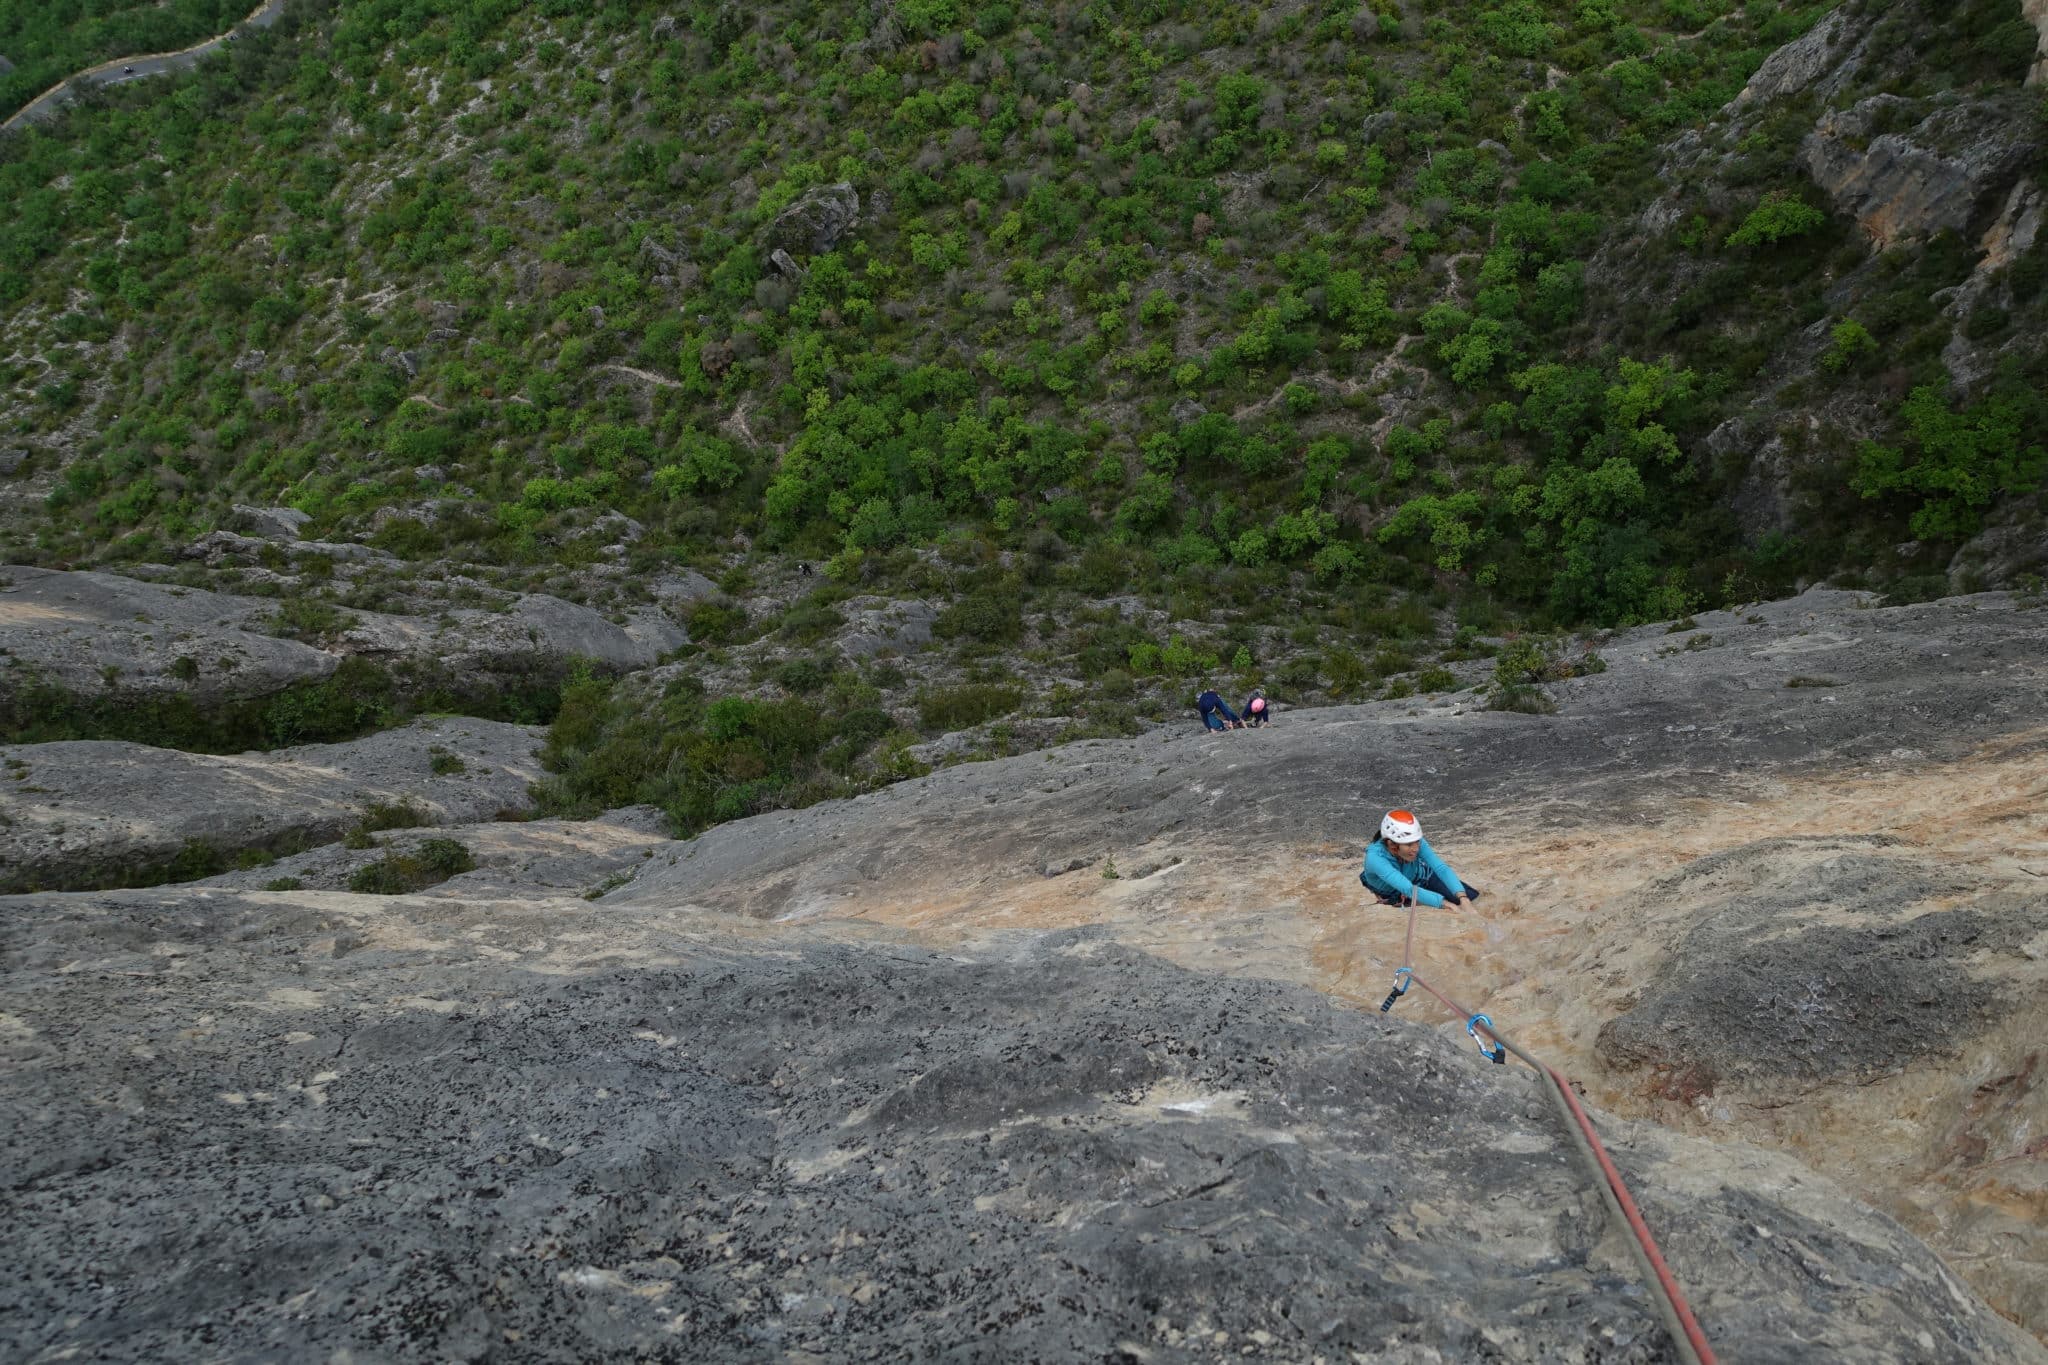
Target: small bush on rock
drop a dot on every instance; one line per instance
(398, 874)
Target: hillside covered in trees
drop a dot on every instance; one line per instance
(45, 41)
(1338, 335)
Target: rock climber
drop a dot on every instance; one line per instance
(1256, 710)
(1216, 712)
(1402, 869)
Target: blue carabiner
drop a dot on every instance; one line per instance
(1497, 1054)
(1401, 984)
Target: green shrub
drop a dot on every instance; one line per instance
(1956, 462)
(1532, 701)
(1850, 344)
(1985, 322)
(309, 619)
(447, 857)
(1911, 589)
(196, 859)
(403, 813)
(1780, 215)
(803, 675)
(1344, 673)
(613, 745)
(399, 874)
(991, 617)
(715, 621)
(1526, 662)
(959, 708)
(810, 621)
(1302, 673)
(1521, 661)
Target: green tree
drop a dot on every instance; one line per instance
(1956, 462)
(1779, 216)
(1850, 344)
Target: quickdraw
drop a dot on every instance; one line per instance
(1497, 1054)
(1402, 981)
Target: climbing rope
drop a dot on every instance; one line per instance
(1679, 1321)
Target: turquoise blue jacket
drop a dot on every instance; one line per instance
(1388, 875)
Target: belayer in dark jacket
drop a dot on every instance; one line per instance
(1216, 712)
(1257, 710)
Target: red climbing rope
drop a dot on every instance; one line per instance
(1671, 1304)
(1641, 1229)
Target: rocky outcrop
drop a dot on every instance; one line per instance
(100, 812)
(1680, 721)
(1907, 169)
(2036, 12)
(924, 1098)
(816, 222)
(452, 1123)
(1814, 959)
(1943, 171)
(876, 625)
(526, 859)
(1822, 62)
(1903, 168)
(535, 628)
(1868, 1000)
(2016, 228)
(219, 549)
(90, 633)
(1841, 993)
(2003, 552)
(270, 523)
(2011, 234)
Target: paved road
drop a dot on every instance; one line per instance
(121, 70)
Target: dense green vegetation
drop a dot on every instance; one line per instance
(1089, 219)
(1339, 318)
(48, 40)
(707, 762)
(357, 698)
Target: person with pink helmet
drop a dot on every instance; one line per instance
(1257, 710)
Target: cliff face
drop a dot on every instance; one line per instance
(1074, 1055)
(1951, 168)
(1928, 239)
(2037, 15)
(1904, 166)
(324, 1126)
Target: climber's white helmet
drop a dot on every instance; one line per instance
(1401, 827)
